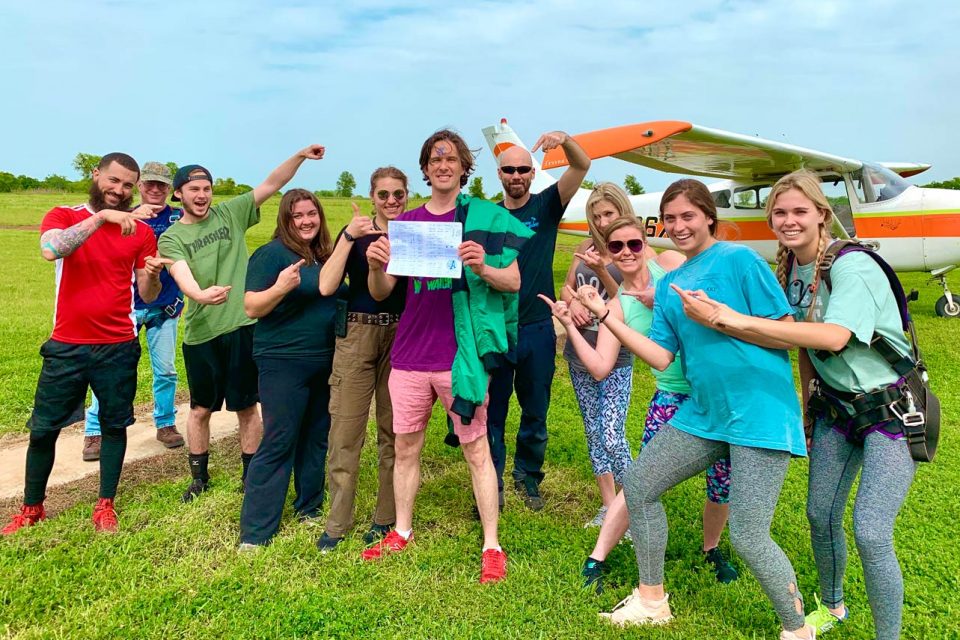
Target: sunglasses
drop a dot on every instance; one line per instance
(616, 246)
(524, 170)
(383, 195)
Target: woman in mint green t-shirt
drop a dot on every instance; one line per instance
(834, 328)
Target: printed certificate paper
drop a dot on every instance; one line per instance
(425, 249)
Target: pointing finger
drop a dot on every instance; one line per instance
(356, 210)
(550, 303)
(537, 144)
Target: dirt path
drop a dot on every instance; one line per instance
(70, 467)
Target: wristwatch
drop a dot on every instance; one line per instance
(349, 237)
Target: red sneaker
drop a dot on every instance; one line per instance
(104, 517)
(493, 566)
(392, 543)
(29, 515)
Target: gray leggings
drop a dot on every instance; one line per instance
(756, 477)
(887, 472)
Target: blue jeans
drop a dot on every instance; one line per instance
(162, 342)
(532, 376)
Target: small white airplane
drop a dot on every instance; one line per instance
(913, 228)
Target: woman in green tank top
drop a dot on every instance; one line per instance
(626, 244)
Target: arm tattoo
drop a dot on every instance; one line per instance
(63, 242)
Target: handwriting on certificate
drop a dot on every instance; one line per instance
(425, 249)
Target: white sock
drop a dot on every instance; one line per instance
(404, 534)
(498, 548)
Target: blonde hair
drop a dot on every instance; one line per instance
(621, 202)
(807, 183)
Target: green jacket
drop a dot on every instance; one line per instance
(484, 319)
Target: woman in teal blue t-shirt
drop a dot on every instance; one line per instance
(834, 328)
(745, 406)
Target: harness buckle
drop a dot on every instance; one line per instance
(911, 418)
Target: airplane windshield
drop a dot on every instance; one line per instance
(879, 183)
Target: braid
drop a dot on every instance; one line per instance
(822, 249)
(782, 274)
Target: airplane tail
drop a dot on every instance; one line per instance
(501, 137)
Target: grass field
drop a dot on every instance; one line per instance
(173, 571)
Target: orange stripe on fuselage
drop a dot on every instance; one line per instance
(940, 225)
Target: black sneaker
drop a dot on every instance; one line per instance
(195, 489)
(476, 512)
(592, 574)
(376, 532)
(725, 572)
(530, 492)
(327, 543)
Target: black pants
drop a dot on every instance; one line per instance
(532, 377)
(294, 397)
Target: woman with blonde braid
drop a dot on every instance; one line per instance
(835, 329)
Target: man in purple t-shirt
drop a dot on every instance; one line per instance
(423, 354)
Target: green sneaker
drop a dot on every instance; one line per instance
(822, 619)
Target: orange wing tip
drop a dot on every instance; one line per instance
(608, 142)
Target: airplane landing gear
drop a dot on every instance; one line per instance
(948, 306)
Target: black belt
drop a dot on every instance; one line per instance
(379, 319)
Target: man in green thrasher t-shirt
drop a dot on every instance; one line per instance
(209, 251)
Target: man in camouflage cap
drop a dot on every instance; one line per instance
(159, 318)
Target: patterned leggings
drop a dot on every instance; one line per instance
(662, 407)
(603, 406)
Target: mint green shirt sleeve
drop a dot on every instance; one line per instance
(857, 295)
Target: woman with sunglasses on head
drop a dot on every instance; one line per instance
(743, 405)
(834, 329)
(293, 348)
(361, 364)
(626, 245)
(603, 400)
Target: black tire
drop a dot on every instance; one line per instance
(944, 310)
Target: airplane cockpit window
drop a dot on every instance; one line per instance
(836, 192)
(746, 198)
(880, 183)
(722, 199)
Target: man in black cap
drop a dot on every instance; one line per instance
(209, 252)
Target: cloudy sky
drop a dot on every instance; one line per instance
(240, 85)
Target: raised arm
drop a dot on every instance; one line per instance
(331, 274)
(182, 275)
(782, 333)
(598, 361)
(592, 258)
(379, 282)
(502, 279)
(578, 162)
(257, 304)
(638, 344)
(60, 243)
(285, 172)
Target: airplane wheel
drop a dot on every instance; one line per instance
(946, 310)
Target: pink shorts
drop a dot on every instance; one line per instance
(413, 394)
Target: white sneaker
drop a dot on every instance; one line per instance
(792, 635)
(632, 610)
(597, 519)
(246, 547)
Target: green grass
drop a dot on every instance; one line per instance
(173, 571)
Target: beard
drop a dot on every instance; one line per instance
(515, 189)
(98, 200)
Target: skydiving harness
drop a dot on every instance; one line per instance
(907, 406)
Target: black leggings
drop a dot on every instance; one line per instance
(41, 453)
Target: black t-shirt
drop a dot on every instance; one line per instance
(541, 214)
(358, 295)
(301, 325)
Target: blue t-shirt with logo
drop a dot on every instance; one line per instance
(169, 291)
(541, 214)
(744, 393)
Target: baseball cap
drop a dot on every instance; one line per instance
(183, 177)
(155, 172)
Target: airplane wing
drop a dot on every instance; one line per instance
(681, 147)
